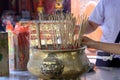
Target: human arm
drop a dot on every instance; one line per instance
(92, 26)
(96, 18)
(107, 47)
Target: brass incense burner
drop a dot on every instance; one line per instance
(61, 57)
(58, 64)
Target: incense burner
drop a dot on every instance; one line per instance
(58, 64)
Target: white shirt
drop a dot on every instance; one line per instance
(107, 14)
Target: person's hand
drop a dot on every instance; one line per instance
(87, 41)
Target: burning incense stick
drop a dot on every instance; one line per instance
(38, 35)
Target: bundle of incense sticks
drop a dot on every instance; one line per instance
(60, 31)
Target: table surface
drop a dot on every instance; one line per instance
(103, 73)
(100, 73)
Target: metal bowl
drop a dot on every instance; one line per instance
(58, 64)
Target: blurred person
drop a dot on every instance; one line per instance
(105, 15)
(7, 16)
(25, 14)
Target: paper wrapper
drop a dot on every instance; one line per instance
(21, 47)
